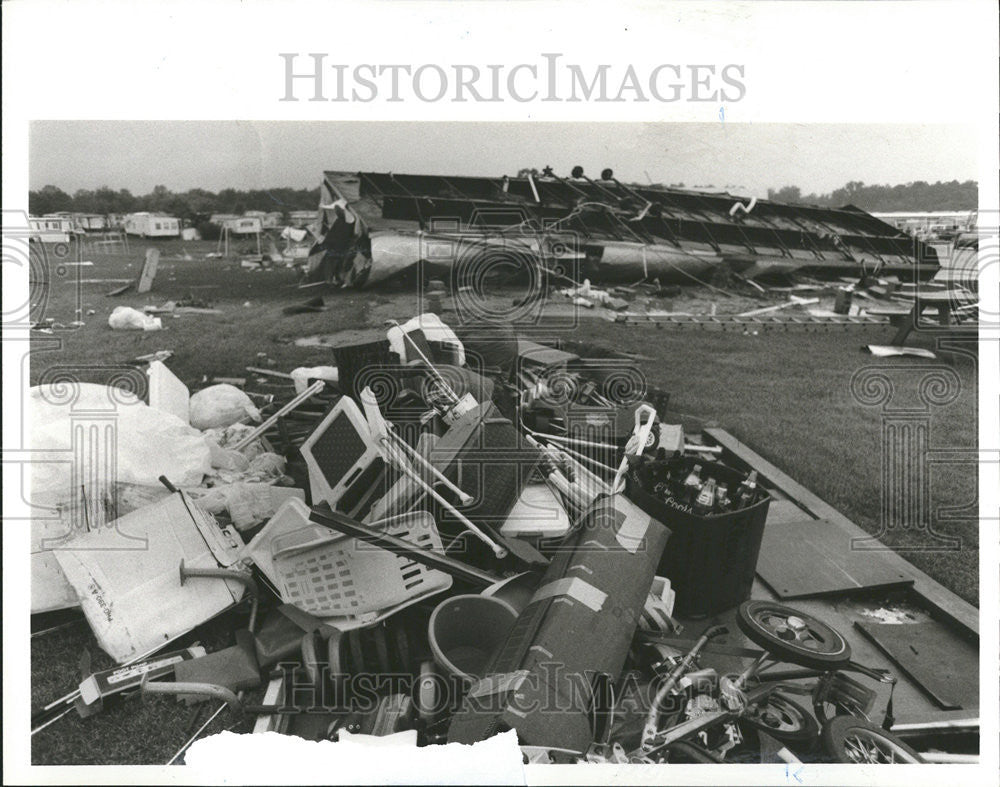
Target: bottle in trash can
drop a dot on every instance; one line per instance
(705, 501)
(692, 484)
(722, 501)
(747, 491)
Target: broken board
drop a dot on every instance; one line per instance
(148, 271)
(813, 557)
(946, 667)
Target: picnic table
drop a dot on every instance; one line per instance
(906, 319)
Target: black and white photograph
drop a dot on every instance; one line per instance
(555, 394)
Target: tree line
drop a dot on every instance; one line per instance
(918, 196)
(194, 205)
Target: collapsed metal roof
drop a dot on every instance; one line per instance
(606, 211)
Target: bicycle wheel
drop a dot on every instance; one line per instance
(852, 740)
(793, 636)
(783, 719)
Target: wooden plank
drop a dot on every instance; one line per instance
(812, 557)
(948, 721)
(784, 511)
(945, 666)
(932, 592)
(148, 271)
(906, 324)
(541, 355)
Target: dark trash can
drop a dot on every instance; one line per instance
(363, 364)
(709, 560)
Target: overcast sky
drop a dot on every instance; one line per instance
(748, 158)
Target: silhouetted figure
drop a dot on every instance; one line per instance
(337, 244)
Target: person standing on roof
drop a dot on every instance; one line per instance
(337, 244)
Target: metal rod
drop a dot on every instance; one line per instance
(269, 372)
(653, 717)
(688, 447)
(197, 734)
(750, 671)
(401, 443)
(175, 688)
(53, 720)
(400, 546)
(313, 389)
(589, 460)
(498, 550)
(222, 573)
(579, 495)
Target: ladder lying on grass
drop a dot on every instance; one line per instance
(733, 322)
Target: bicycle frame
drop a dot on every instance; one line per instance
(768, 683)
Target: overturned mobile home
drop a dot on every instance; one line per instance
(602, 229)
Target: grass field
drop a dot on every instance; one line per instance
(787, 395)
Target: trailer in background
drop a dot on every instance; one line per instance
(302, 218)
(268, 221)
(152, 225)
(51, 228)
(90, 222)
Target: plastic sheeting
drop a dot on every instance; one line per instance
(98, 452)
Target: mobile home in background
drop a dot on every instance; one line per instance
(53, 228)
(238, 225)
(152, 225)
(90, 222)
(939, 224)
(268, 221)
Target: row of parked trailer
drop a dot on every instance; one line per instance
(59, 227)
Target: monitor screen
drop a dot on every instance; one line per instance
(338, 449)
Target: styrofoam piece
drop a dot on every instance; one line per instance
(166, 392)
(537, 512)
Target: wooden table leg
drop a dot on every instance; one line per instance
(907, 324)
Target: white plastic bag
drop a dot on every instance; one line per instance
(220, 405)
(125, 318)
(248, 504)
(146, 443)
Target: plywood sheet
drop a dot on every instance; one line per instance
(813, 557)
(942, 664)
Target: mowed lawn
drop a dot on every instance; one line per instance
(786, 394)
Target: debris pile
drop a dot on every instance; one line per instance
(449, 532)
